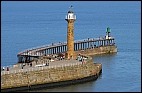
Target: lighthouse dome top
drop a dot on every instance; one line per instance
(70, 9)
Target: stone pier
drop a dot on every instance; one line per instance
(50, 75)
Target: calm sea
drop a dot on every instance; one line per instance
(30, 24)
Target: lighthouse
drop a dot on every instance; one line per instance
(108, 33)
(70, 18)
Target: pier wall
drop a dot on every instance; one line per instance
(92, 46)
(50, 75)
(98, 50)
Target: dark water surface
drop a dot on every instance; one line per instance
(31, 24)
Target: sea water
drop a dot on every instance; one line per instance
(27, 24)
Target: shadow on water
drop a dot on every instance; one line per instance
(67, 88)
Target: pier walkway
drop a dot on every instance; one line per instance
(41, 65)
(29, 55)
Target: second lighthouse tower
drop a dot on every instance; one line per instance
(70, 18)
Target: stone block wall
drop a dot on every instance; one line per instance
(99, 50)
(50, 75)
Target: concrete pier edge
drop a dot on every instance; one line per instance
(54, 84)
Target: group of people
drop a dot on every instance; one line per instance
(7, 68)
(80, 58)
(23, 64)
(47, 64)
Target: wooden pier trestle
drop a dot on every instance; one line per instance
(30, 54)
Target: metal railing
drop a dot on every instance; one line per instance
(38, 48)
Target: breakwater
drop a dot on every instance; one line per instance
(51, 76)
(48, 76)
(90, 46)
(56, 75)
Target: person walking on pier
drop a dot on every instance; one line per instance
(47, 64)
(7, 68)
(30, 64)
(3, 68)
(22, 65)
